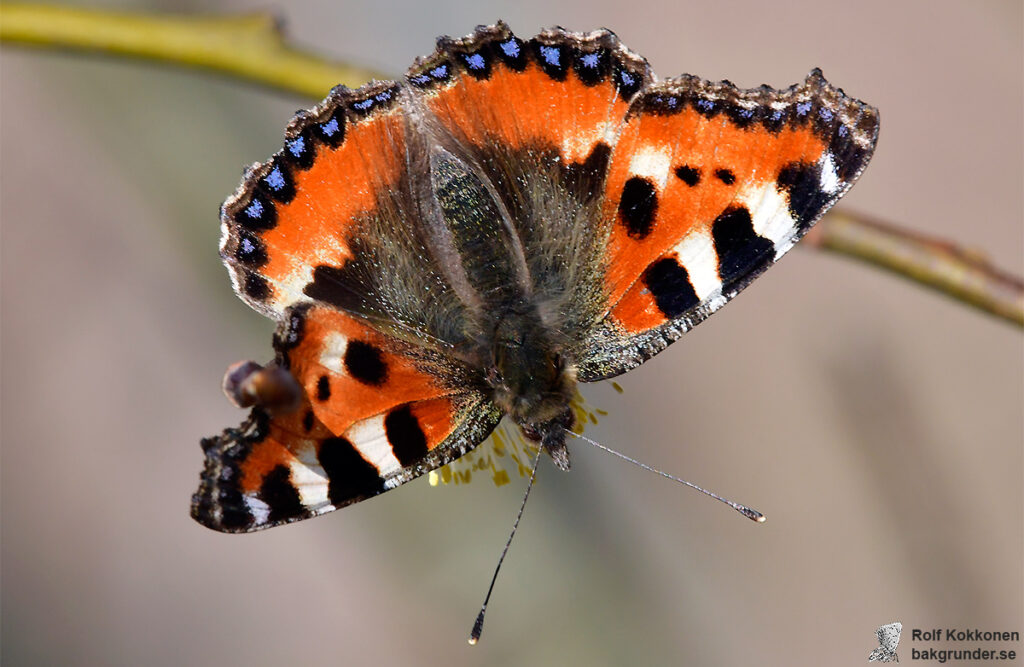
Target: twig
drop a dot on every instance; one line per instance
(252, 47)
(965, 276)
(245, 46)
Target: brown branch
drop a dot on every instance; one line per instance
(249, 47)
(965, 276)
(252, 47)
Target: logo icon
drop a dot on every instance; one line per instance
(888, 638)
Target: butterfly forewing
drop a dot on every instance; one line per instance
(708, 186)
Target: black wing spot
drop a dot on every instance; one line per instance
(278, 492)
(307, 421)
(330, 285)
(408, 441)
(688, 175)
(740, 249)
(511, 52)
(250, 250)
(350, 476)
(586, 179)
(323, 388)
(591, 67)
(278, 183)
(627, 82)
(332, 131)
(291, 330)
(300, 150)
(670, 285)
(365, 363)
(477, 64)
(256, 287)
(638, 206)
(800, 182)
(552, 58)
(258, 215)
(847, 155)
(726, 176)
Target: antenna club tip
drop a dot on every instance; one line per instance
(478, 627)
(751, 514)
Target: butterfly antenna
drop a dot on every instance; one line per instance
(748, 512)
(478, 626)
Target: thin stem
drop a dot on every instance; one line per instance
(967, 277)
(249, 46)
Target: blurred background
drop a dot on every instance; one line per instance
(880, 427)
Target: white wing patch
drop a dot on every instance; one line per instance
(696, 252)
(651, 162)
(260, 510)
(332, 356)
(769, 212)
(829, 180)
(370, 439)
(311, 482)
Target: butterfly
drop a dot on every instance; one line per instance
(469, 243)
(889, 639)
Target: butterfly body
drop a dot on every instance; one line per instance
(514, 217)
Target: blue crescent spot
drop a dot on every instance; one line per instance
(383, 97)
(802, 108)
(255, 209)
(474, 60)
(422, 78)
(706, 105)
(842, 131)
(777, 115)
(364, 105)
(275, 179)
(627, 78)
(510, 48)
(825, 114)
(590, 60)
(330, 127)
(297, 146)
(672, 102)
(551, 55)
(439, 72)
(746, 113)
(247, 246)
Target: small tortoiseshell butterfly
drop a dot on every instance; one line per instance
(512, 218)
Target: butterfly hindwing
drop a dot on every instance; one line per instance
(708, 186)
(284, 468)
(351, 371)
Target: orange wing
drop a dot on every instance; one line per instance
(375, 413)
(707, 187)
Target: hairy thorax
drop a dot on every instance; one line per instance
(532, 380)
